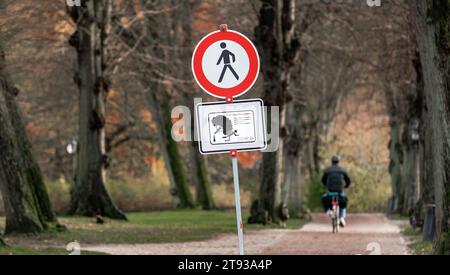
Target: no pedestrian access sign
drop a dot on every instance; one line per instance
(225, 65)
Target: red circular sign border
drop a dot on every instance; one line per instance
(205, 84)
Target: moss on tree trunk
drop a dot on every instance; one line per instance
(200, 177)
(199, 174)
(176, 164)
(205, 197)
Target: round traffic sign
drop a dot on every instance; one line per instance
(225, 64)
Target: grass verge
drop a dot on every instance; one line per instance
(154, 227)
(39, 251)
(417, 246)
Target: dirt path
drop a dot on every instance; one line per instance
(365, 234)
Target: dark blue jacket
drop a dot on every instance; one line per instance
(335, 177)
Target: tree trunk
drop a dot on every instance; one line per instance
(313, 144)
(432, 22)
(199, 174)
(201, 179)
(23, 213)
(294, 151)
(182, 197)
(279, 51)
(151, 102)
(395, 164)
(310, 158)
(26, 201)
(425, 186)
(292, 185)
(175, 162)
(410, 167)
(25, 197)
(157, 100)
(89, 195)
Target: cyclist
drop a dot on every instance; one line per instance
(336, 179)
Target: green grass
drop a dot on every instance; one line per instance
(155, 227)
(417, 245)
(411, 232)
(399, 217)
(39, 251)
(421, 248)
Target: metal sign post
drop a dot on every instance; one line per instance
(237, 196)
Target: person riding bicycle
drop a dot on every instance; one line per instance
(336, 179)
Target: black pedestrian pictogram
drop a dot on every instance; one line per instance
(225, 56)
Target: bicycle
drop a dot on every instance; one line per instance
(335, 212)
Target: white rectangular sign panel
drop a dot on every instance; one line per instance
(223, 127)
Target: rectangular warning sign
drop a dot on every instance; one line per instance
(224, 127)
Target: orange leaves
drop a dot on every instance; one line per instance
(113, 117)
(202, 21)
(151, 160)
(138, 9)
(63, 29)
(248, 159)
(139, 14)
(157, 165)
(37, 130)
(147, 118)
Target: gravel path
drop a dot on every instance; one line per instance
(365, 234)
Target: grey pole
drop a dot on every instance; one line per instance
(237, 195)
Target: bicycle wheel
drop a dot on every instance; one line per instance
(335, 225)
(337, 219)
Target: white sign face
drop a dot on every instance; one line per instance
(224, 127)
(226, 64)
